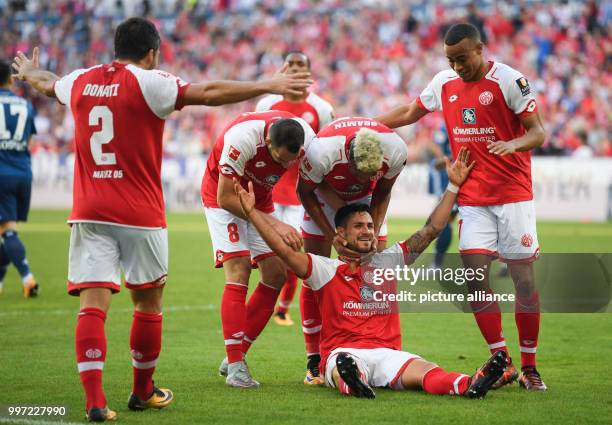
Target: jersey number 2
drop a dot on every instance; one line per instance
(101, 115)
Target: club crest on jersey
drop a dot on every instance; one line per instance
(485, 98)
(308, 117)
(271, 180)
(366, 293)
(524, 86)
(469, 115)
(527, 240)
(233, 153)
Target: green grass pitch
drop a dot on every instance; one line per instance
(37, 364)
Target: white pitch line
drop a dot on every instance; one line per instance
(62, 312)
(36, 422)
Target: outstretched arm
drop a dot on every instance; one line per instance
(457, 174)
(402, 115)
(28, 70)
(221, 92)
(295, 260)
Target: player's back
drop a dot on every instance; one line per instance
(119, 113)
(16, 127)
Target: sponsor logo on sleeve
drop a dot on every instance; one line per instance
(233, 153)
(523, 85)
(469, 115)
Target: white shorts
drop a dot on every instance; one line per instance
(98, 253)
(507, 231)
(290, 214)
(382, 366)
(310, 229)
(234, 237)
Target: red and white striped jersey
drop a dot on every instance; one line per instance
(317, 112)
(241, 152)
(352, 316)
(327, 157)
(119, 112)
(480, 112)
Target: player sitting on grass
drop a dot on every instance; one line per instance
(361, 351)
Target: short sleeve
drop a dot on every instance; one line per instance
(429, 99)
(397, 154)
(265, 103)
(313, 164)
(321, 271)
(162, 91)
(239, 146)
(63, 86)
(518, 94)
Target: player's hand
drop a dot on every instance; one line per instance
(290, 235)
(24, 66)
(501, 148)
(247, 199)
(283, 83)
(459, 170)
(344, 253)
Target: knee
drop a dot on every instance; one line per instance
(276, 278)
(525, 287)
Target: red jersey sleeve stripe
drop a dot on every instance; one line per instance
(420, 104)
(309, 270)
(180, 95)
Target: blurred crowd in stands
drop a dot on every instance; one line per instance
(367, 56)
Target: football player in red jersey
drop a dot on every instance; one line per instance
(359, 159)
(318, 113)
(361, 346)
(489, 108)
(118, 219)
(257, 147)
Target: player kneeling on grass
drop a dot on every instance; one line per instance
(362, 351)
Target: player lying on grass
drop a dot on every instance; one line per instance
(361, 348)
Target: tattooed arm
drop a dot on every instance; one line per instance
(457, 174)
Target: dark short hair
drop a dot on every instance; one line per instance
(5, 72)
(298, 52)
(458, 32)
(134, 38)
(346, 212)
(287, 132)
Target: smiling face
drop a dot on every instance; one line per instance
(466, 59)
(358, 232)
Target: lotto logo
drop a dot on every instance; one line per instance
(93, 353)
(531, 106)
(485, 98)
(233, 153)
(526, 240)
(469, 115)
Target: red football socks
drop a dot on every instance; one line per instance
(90, 346)
(287, 293)
(438, 381)
(311, 320)
(145, 346)
(527, 318)
(489, 320)
(259, 309)
(233, 316)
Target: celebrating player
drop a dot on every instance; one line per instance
(16, 129)
(489, 107)
(360, 160)
(361, 346)
(287, 207)
(118, 220)
(257, 147)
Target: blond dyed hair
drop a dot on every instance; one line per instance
(366, 152)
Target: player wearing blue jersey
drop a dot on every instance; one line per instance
(16, 129)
